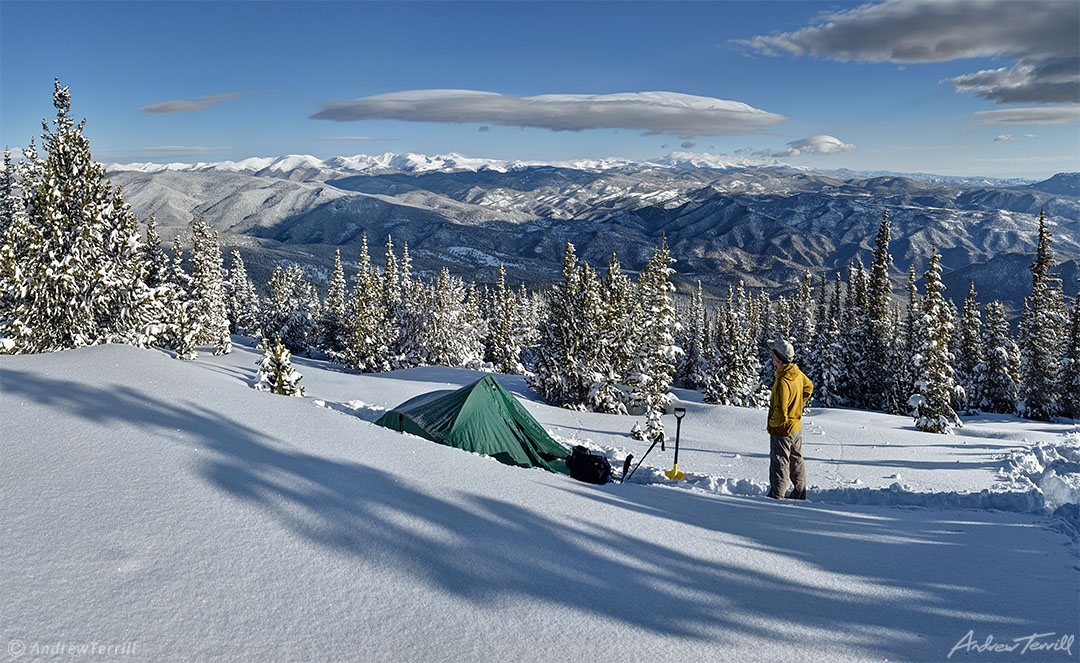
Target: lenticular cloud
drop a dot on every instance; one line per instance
(820, 144)
(671, 113)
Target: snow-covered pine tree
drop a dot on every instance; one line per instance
(440, 336)
(301, 330)
(72, 266)
(332, 326)
(411, 312)
(586, 321)
(734, 370)
(760, 320)
(276, 372)
(904, 378)
(617, 342)
(653, 367)
(1042, 335)
(997, 374)
(830, 364)
(503, 342)
(183, 328)
(208, 288)
(935, 385)
(858, 388)
(474, 327)
(369, 336)
(528, 309)
(403, 321)
(243, 300)
(556, 349)
(156, 259)
(1070, 378)
(10, 200)
(969, 352)
(851, 340)
(879, 334)
(691, 369)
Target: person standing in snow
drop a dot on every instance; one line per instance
(790, 391)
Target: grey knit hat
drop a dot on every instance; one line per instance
(782, 348)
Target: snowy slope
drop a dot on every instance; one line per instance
(167, 504)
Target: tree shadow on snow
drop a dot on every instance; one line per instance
(482, 549)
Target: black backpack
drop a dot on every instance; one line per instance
(587, 467)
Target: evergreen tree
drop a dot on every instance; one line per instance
(157, 261)
(369, 334)
(616, 342)
(529, 310)
(276, 372)
(243, 301)
(997, 374)
(71, 272)
(474, 327)
(183, 329)
(970, 355)
(653, 366)
(935, 386)
(208, 288)
(878, 332)
(557, 347)
(402, 328)
(443, 337)
(333, 319)
(1070, 382)
(301, 330)
(290, 308)
(503, 347)
(1042, 336)
(734, 369)
(10, 200)
(830, 365)
(904, 379)
(691, 371)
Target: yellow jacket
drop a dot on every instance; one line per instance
(790, 392)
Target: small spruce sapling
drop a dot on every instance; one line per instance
(276, 373)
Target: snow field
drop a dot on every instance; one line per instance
(168, 503)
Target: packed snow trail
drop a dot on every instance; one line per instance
(168, 504)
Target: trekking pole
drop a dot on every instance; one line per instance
(675, 474)
(640, 461)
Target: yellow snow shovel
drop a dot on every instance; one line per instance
(675, 474)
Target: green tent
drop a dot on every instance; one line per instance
(484, 418)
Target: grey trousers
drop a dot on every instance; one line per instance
(785, 460)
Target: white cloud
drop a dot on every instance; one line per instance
(1029, 135)
(671, 113)
(1040, 34)
(1004, 137)
(820, 144)
(186, 148)
(1030, 116)
(186, 105)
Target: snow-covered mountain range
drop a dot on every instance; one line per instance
(390, 162)
(726, 217)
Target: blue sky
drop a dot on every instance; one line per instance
(258, 72)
